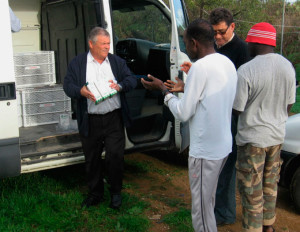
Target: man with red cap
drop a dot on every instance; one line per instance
(265, 93)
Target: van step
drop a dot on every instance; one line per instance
(54, 149)
(52, 157)
(50, 145)
(51, 161)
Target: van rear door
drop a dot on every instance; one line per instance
(9, 133)
(177, 57)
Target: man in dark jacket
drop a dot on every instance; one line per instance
(226, 41)
(230, 45)
(101, 125)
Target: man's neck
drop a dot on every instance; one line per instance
(226, 42)
(264, 49)
(100, 60)
(205, 51)
(264, 53)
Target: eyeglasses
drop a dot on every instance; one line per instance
(222, 32)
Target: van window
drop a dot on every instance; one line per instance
(142, 36)
(143, 22)
(181, 23)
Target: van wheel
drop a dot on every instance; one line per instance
(295, 189)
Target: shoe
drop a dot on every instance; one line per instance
(91, 201)
(268, 229)
(116, 201)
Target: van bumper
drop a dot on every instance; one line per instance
(10, 159)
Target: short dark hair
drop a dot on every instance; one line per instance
(220, 14)
(201, 30)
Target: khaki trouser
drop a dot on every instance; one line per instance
(258, 175)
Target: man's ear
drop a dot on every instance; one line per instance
(194, 42)
(232, 26)
(90, 44)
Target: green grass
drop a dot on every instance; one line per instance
(50, 201)
(142, 167)
(296, 106)
(180, 221)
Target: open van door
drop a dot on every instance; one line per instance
(9, 133)
(177, 57)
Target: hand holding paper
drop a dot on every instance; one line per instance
(88, 94)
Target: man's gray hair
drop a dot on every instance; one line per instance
(95, 32)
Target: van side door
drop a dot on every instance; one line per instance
(177, 57)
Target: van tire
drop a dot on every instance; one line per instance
(295, 189)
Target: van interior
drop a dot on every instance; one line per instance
(141, 36)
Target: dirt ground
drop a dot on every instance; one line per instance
(167, 182)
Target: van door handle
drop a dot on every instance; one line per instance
(7, 91)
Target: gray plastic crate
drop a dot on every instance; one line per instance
(41, 119)
(34, 69)
(43, 105)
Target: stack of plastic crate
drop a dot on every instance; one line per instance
(34, 69)
(40, 100)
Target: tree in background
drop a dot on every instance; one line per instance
(246, 13)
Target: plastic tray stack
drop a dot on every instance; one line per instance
(40, 100)
(42, 105)
(34, 69)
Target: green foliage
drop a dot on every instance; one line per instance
(298, 71)
(147, 23)
(248, 12)
(296, 106)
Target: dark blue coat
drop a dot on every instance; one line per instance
(76, 79)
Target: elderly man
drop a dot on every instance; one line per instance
(101, 125)
(206, 89)
(265, 93)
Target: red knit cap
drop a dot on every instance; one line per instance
(262, 33)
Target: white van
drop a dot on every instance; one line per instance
(37, 129)
(146, 33)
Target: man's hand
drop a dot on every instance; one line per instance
(186, 66)
(175, 87)
(86, 93)
(154, 84)
(114, 85)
